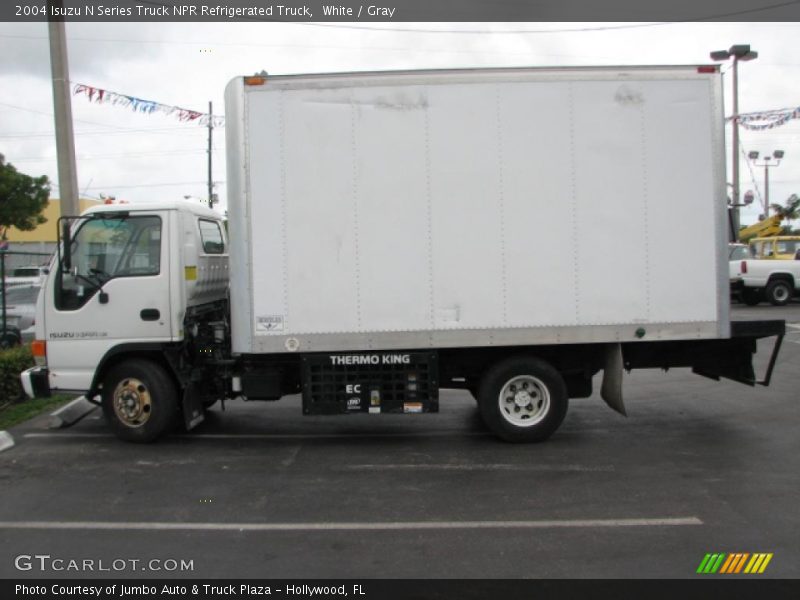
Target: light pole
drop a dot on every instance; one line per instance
(737, 52)
(777, 155)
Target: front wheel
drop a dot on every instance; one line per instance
(139, 400)
(523, 399)
(779, 292)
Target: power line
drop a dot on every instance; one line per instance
(110, 156)
(144, 185)
(359, 47)
(750, 169)
(27, 134)
(547, 31)
(49, 114)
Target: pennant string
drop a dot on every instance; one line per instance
(101, 96)
(768, 119)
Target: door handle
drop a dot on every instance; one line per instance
(150, 314)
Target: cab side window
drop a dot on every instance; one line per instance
(144, 257)
(211, 237)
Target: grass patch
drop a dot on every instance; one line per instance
(14, 413)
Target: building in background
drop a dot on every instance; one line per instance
(38, 244)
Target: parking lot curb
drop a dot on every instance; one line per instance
(6, 441)
(71, 413)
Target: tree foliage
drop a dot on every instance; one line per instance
(789, 211)
(22, 199)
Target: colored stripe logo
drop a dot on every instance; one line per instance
(734, 563)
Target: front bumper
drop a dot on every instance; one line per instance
(35, 382)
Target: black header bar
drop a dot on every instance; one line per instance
(400, 11)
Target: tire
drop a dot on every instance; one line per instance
(523, 399)
(750, 296)
(140, 400)
(9, 339)
(779, 292)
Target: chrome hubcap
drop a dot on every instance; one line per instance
(132, 402)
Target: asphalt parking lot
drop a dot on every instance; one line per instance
(261, 491)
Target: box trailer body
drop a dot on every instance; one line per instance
(448, 209)
(510, 232)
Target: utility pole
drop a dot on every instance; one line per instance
(62, 110)
(210, 133)
(735, 151)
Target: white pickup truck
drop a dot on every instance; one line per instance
(775, 281)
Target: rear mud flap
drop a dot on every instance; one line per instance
(611, 390)
(193, 411)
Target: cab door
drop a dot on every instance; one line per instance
(115, 292)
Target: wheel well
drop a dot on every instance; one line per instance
(787, 277)
(117, 356)
(576, 363)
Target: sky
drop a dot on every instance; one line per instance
(147, 157)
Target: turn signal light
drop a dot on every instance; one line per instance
(744, 267)
(39, 351)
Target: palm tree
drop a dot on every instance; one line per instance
(788, 212)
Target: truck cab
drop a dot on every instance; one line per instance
(781, 247)
(129, 283)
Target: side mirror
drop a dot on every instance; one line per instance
(66, 256)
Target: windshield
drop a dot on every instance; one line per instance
(107, 248)
(739, 253)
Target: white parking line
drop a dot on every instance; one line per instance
(6, 441)
(793, 333)
(479, 467)
(375, 526)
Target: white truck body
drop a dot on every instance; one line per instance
(471, 208)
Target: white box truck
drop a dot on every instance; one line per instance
(510, 232)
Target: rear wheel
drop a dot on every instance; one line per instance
(523, 399)
(779, 292)
(139, 400)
